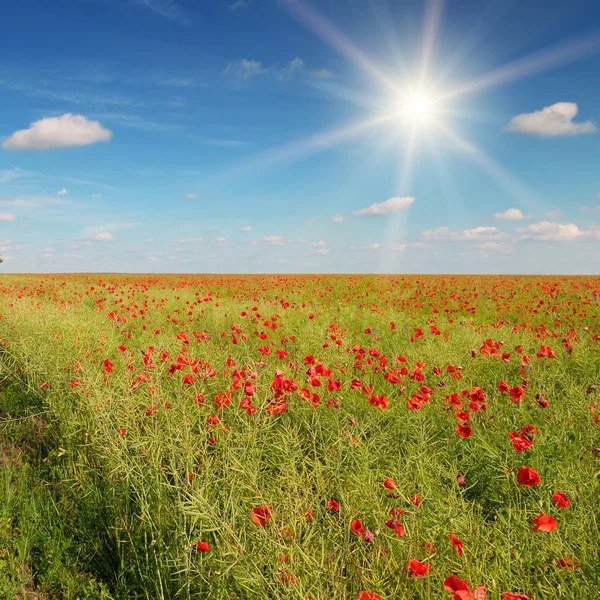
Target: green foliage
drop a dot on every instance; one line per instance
(89, 512)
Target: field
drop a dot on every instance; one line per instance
(317, 437)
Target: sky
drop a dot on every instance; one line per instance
(296, 136)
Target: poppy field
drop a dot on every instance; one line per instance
(312, 437)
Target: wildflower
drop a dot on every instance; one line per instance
(418, 569)
(456, 543)
(561, 499)
(528, 477)
(465, 431)
(357, 527)
(544, 523)
(202, 546)
(261, 515)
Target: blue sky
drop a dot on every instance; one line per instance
(295, 136)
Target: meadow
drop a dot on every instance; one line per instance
(311, 437)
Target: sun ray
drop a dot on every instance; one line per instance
(329, 34)
(385, 20)
(290, 153)
(433, 17)
(483, 27)
(529, 198)
(537, 62)
(396, 224)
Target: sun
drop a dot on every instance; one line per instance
(419, 107)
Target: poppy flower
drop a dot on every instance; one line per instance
(418, 569)
(561, 499)
(456, 543)
(544, 523)
(528, 477)
(202, 546)
(369, 596)
(465, 431)
(44, 385)
(108, 367)
(389, 484)
(357, 527)
(461, 480)
(333, 505)
(503, 387)
(568, 562)
(516, 394)
(261, 515)
(416, 500)
(520, 444)
(459, 588)
(511, 596)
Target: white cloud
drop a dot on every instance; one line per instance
(588, 209)
(320, 74)
(553, 214)
(58, 132)
(62, 192)
(339, 219)
(195, 240)
(323, 251)
(512, 214)
(237, 5)
(7, 175)
(296, 64)
(547, 231)
(248, 228)
(244, 69)
(387, 207)
(503, 248)
(191, 196)
(445, 234)
(551, 121)
(165, 8)
(274, 240)
(320, 243)
(374, 246)
(7, 217)
(105, 236)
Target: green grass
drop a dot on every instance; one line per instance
(90, 513)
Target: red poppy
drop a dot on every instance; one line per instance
(511, 596)
(202, 546)
(528, 477)
(261, 515)
(333, 505)
(464, 431)
(418, 569)
(503, 387)
(544, 523)
(459, 588)
(561, 499)
(369, 596)
(461, 480)
(520, 444)
(357, 527)
(188, 379)
(516, 394)
(416, 500)
(389, 484)
(568, 562)
(456, 543)
(108, 366)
